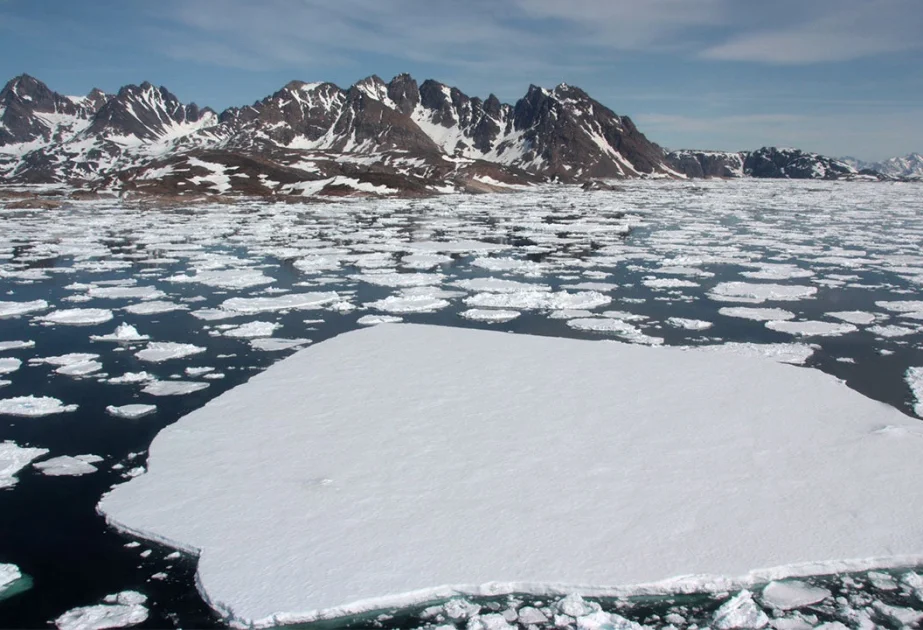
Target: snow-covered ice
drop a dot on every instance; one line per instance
(740, 612)
(14, 309)
(14, 458)
(914, 378)
(489, 315)
(758, 293)
(68, 466)
(173, 388)
(809, 328)
(373, 320)
(275, 344)
(120, 610)
(301, 301)
(78, 316)
(252, 330)
(33, 406)
(799, 469)
(853, 317)
(792, 594)
(408, 304)
(9, 365)
(756, 314)
(155, 307)
(9, 573)
(689, 324)
(539, 300)
(131, 411)
(123, 333)
(158, 351)
(15, 345)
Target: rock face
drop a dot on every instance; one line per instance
(307, 138)
(708, 163)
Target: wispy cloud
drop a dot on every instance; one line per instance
(244, 34)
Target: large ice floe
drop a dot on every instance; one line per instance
(400, 464)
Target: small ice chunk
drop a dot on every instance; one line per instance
(124, 333)
(15, 309)
(173, 388)
(68, 466)
(117, 611)
(740, 612)
(811, 328)
(78, 316)
(157, 351)
(131, 411)
(198, 371)
(372, 320)
(9, 365)
(489, 315)
(33, 406)
(14, 458)
(756, 314)
(792, 594)
(689, 324)
(252, 330)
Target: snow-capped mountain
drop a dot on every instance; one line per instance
(907, 167)
(371, 138)
(767, 162)
(316, 137)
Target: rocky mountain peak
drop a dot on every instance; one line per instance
(404, 93)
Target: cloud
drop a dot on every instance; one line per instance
(845, 32)
(516, 33)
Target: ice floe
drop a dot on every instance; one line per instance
(158, 351)
(298, 301)
(120, 610)
(489, 315)
(123, 333)
(131, 411)
(33, 406)
(689, 324)
(809, 328)
(539, 300)
(408, 304)
(387, 523)
(268, 344)
(853, 317)
(792, 594)
(173, 388)
(123, 293)
(252, 330)
(9, 573)
(78, 316)
(16, 345)
(759, 292)
(15, 309)
(9, 365)
(68, 466)
(372, 320)
(14, 458)
(73, 364)
(620, 327)
(756, 314)
(155, 307)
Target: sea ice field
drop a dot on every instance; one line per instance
(740, 446)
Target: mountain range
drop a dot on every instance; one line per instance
(373, 138)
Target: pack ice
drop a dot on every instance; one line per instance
(398, 464)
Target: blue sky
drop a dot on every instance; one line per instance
(835, 76)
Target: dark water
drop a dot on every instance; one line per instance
(49, 526)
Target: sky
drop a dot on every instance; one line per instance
(839, 77)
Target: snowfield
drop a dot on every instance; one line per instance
(586, 484)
